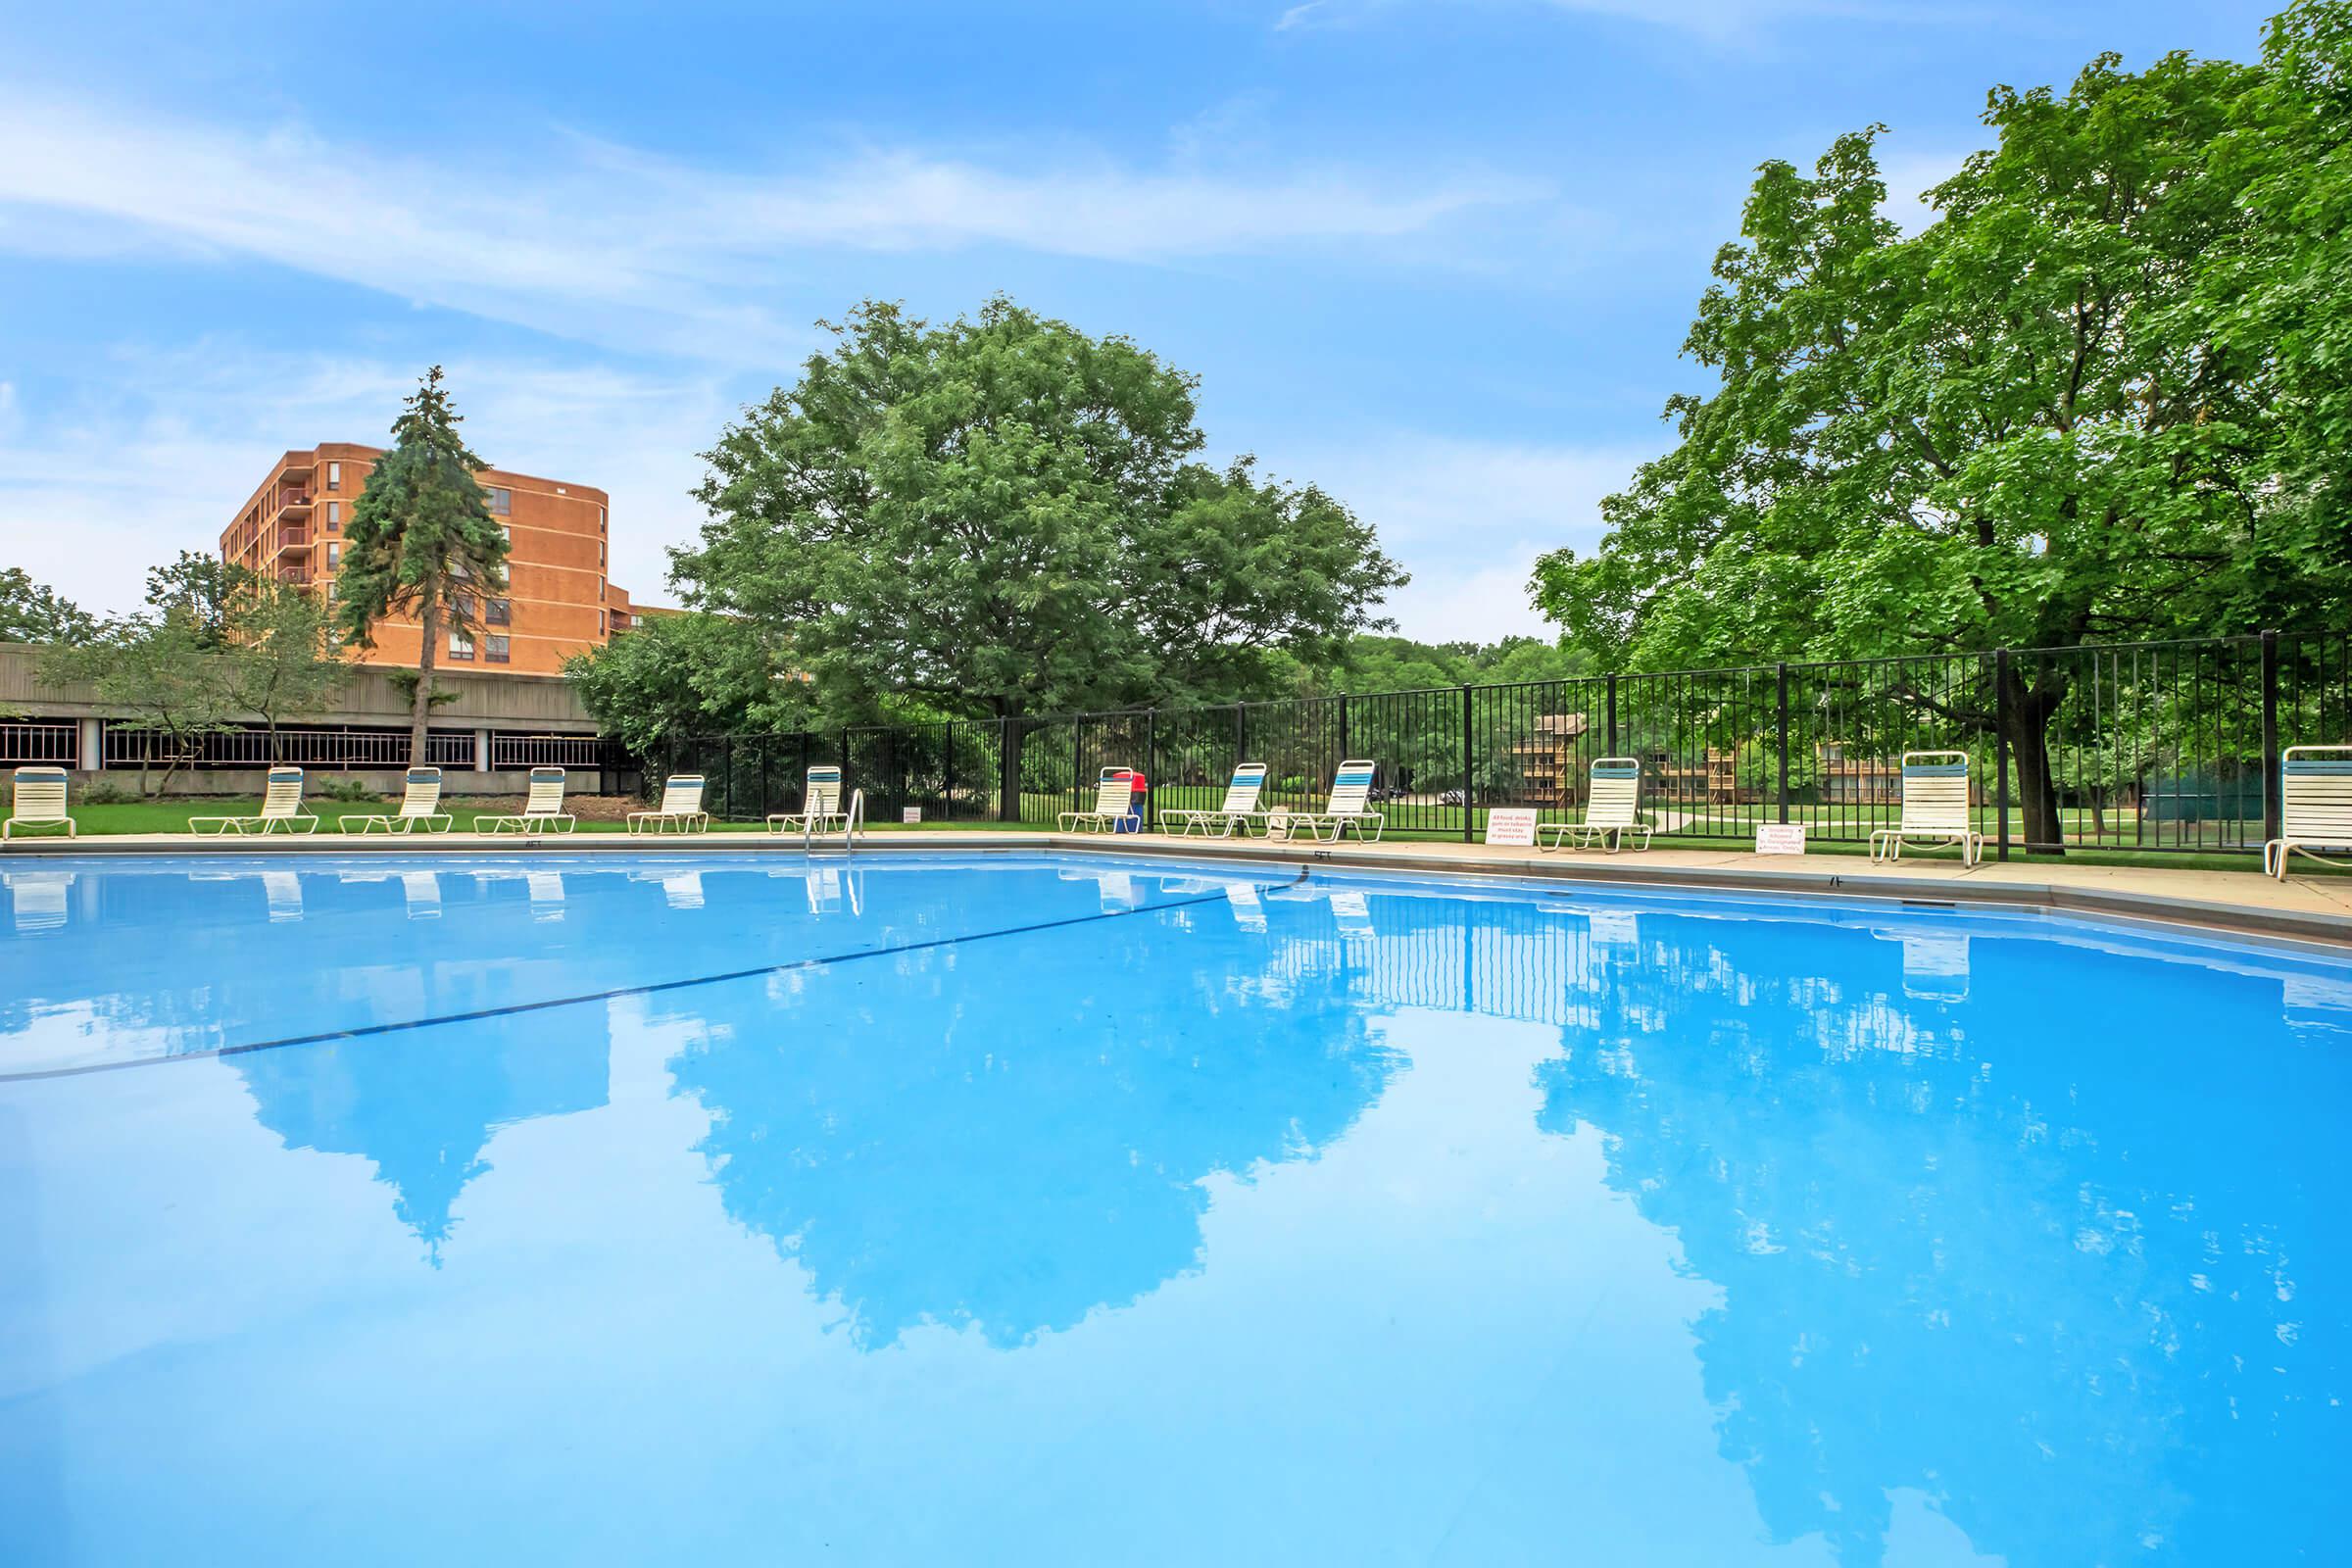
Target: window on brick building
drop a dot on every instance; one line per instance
(334, 476)
(460, 646)
(498, 611)
(494, 650)
(334, 516)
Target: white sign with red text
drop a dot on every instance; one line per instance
(1780, 838)
(1511, 824)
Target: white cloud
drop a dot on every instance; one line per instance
(606, 244)
(1910, 175)
(91, 496)
(1467, 519)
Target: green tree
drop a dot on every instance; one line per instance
(209, 593)
(421, 542)
(1003, 514)
(2032, 424)
(286, 655)
(35, 612)
(158, 670)
(691, 674)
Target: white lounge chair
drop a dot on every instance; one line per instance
(1934, 809)
(282, 807)
(419, 807)
(1114, 793)
(2315, 799)
(1239, 809)
(1612, 809)
(681, 808)
(39, 801)
(820, 806)
(1349, 805)
(542, 808)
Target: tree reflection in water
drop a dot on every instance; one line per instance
(2038, 1229)
(1012, 1133)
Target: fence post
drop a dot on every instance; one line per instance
(1008, 771)
(1343, 729)
(1469, 786)
(2271, 780)
(2000, 747)
(1078, 801)
(1240, 748)
(844, 757)
(1151, 759)
(1783, 672)
(946, 799)
(1612, 713)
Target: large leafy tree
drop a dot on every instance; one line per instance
(1003, 514)
(421, 542)
(675, 676)
(2034, 424)
(35, 612)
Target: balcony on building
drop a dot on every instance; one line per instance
(293, 498)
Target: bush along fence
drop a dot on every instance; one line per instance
(2164, 746)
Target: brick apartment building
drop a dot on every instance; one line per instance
(557, 602)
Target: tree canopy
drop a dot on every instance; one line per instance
(2100, 396)
(689, 675)
(214, 642)
(1003, 514)
(421, 541)
(35, 612)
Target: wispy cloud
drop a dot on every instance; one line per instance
(609, 244)
(1467, 519)
(93, 492)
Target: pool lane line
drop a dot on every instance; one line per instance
(651, 988)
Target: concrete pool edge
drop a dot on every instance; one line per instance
(2238, 904)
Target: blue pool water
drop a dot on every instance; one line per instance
(1059, 1210)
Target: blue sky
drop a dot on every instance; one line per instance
(1438, 256)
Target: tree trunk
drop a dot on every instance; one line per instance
(421, 708)
(2029, 710)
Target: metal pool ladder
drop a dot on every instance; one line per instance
(852, 821)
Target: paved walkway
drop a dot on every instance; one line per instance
(2307, 908)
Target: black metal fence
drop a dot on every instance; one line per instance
(2168, 747)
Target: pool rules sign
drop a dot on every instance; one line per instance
(1511, 824)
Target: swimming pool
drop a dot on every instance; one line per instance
(1065, 1209)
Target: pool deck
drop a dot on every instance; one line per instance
(2302, 909)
